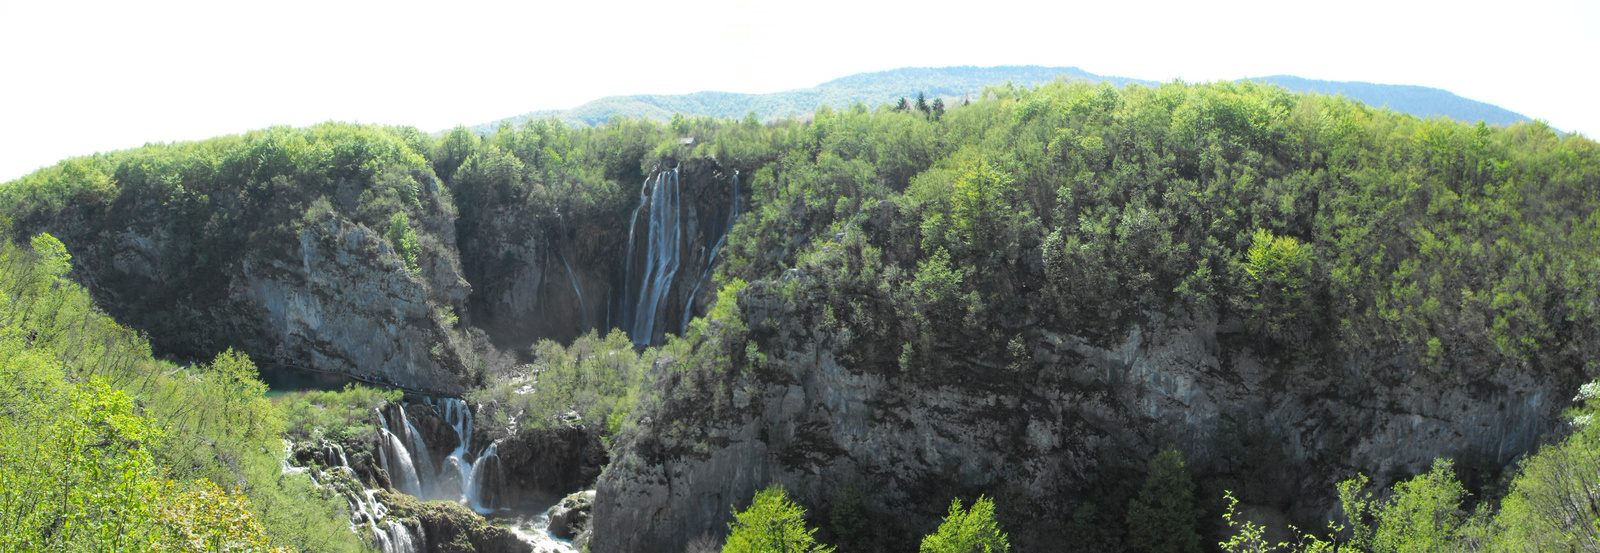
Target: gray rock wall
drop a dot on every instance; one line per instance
(347, 304)
(818, 427)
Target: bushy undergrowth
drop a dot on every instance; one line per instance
(103, 447)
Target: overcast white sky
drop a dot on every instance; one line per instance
(78, 77)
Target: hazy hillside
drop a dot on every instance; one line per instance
(953, 83)
(869, 88)
(1416, 100)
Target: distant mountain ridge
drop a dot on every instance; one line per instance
(880, 87)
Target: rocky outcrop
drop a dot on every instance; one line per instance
(1043, 439)
(544, 462)
(570, 516)
(324, 293)
(346, 303)
(448, 527)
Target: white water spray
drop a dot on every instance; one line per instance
(661, 255)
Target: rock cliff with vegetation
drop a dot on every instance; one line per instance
(1088, 312)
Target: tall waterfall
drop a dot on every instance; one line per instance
(647, 286)
(661, 255)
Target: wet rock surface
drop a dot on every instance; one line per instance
(570, 517)
(551, 462)
(449, 527)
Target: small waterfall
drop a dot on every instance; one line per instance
(661, 255)
(419, 453)
(454, 478)
(400, 539)
(388, 535)
(583, 311)
(459, 417)
(396, 460)
(733, 214)
(483, 489)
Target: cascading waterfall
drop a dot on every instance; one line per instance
(733, 214)
(461, 477)
(661, 254)
(400, 538)
(396, 460)
(487, 475)
(419, 453)
(388, 536)
(475, 481)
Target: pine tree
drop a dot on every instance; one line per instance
(968, 531)
(1162, 518)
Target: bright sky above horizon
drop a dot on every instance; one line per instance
(87, 76)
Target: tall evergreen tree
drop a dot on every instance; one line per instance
(1162, 518)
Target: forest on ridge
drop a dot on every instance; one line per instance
(1396, 322)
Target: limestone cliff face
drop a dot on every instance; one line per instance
(333, 297)
(346, 303)
(1038, 440)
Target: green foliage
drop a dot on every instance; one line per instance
(1554, 503)
(1162, 518)
(1250, 537)
(345, 416)
(772, 524)
(404, 239)
(101, 445)
(1280, 269)
(1422, 515)
(598, 378)
(971, 530)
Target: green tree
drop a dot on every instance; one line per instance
(1422, 514)
(772, 524)
(968, 531)
(1280, 269)
(1554, 504)
(404, 239)
(1162, 518)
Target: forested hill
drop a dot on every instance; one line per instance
(956, 83)
(1420, 101)
(1107, 308)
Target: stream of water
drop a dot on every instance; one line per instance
(472, 480)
